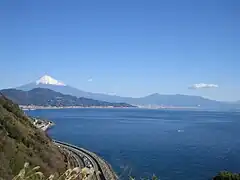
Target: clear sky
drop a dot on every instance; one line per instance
(128, 47)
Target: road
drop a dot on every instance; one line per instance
(73, 158)
(82, 159)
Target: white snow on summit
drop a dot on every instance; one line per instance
(49, 80)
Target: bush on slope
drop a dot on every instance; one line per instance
(21, 142)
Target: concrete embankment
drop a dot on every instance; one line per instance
(106, 172)
(106, 168)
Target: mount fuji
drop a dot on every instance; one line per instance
(48, 82)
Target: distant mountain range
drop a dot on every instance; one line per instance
(47, 97)
(237, 102)
(153, 99)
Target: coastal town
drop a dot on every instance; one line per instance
(34, 107)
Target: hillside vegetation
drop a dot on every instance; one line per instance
(21, 142)
(47, 97)
(225, 175)
(178, 100)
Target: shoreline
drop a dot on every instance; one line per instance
(106, 168)
(41, 123)
(30, 108)
(27, 108)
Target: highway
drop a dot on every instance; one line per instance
(82, 158)
(73, 158)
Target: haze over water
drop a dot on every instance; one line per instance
(189, 145)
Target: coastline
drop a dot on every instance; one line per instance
(100, 164)
(32, 107)
(106, 168)
(41, 123)
(26, 108)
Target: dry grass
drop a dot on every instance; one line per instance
(71, 174)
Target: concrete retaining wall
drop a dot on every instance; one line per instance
(107, 170)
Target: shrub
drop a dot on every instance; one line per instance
(71, 174)
(225, 175)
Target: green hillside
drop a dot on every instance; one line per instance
(21, 142)
(47, 97)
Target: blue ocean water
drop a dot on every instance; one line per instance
(184, 145)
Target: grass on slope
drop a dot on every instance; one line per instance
(71, 174)
(21, 142)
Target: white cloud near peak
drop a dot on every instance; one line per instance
(203, 86)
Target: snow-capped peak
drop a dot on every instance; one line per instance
(49, 80)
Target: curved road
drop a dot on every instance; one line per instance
(83, 158)
(74, 159)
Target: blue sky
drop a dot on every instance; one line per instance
(128, 47)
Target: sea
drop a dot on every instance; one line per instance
(171, 144)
